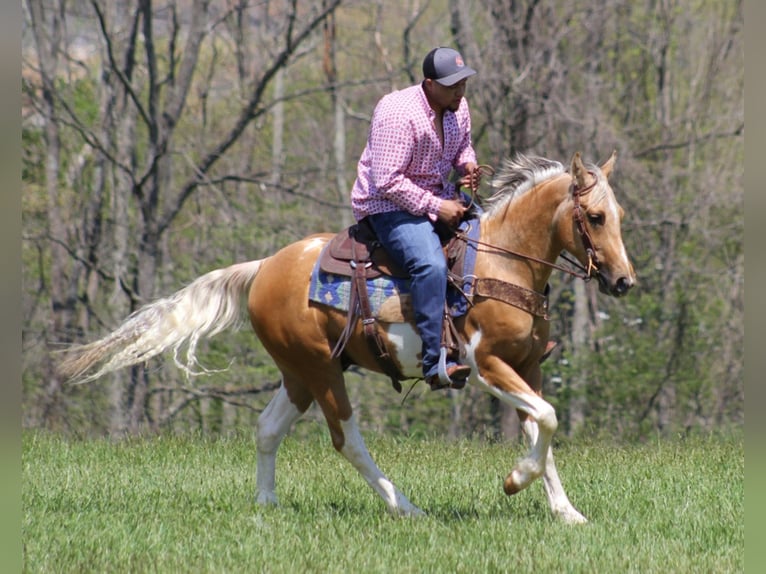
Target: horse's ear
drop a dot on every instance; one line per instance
(606, 169)
(578, 170)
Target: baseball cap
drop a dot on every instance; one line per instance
(445, 66)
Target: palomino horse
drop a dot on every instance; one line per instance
(538, 211)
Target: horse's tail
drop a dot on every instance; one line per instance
(207, 306)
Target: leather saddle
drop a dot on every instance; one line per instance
(356, 252)
(359, 244)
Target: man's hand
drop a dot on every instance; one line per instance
(451, 212)
(472, 177)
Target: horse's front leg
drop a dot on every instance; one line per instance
(558, 500)
(533, 465)
(501, 381)
(539, 422)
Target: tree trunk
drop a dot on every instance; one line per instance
(580, 349)
(278, 117)
(47, 27)
(510, 427)
(339, 114)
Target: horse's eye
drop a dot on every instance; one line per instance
(596, 218)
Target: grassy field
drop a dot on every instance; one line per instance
(185, 504)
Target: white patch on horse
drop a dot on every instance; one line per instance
(313, 244)
(614, 213)
(273, 424)
(531, 466)
(408, 348)
(470, 354)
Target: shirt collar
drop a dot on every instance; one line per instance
(424, 100)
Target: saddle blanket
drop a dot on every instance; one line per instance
(335, 290)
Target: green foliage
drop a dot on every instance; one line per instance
(33, 151)
(662, 86)
(185, 503)
(631, 381)
(83, 96)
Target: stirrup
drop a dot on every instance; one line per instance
(443, 380)
(443, 376)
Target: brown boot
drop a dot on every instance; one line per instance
(458, 374)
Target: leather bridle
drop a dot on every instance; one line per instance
(579, 222)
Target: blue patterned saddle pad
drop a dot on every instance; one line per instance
(335, 290)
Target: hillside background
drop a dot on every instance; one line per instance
(162, 140)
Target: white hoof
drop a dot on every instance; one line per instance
(266, 499)
(570, 516)
(409, 512)
(400, 505)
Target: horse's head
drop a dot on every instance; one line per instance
(596, 238)
(586, 218)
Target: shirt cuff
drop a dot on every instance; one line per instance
(433, 207)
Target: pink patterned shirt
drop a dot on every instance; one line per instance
(403, 166)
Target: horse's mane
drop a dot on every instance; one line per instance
(518, 175)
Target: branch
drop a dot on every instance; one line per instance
(711, 136)
(193, 395)
(134, 297)
(177, 100)
(250, 112)
(406, 38)
(215, 392)
(89, 137)
(110, 52)
(261, 179)
(145, 8)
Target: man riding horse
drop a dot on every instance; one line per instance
(417, 136)
(539, 210)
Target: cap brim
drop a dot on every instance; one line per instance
(453, 79)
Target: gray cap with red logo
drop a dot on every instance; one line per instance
(445, 66)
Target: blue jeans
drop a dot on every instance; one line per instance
(412, 242)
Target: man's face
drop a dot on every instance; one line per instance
(447, 97)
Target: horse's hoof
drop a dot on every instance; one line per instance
(570, 516)
(409, 512)
(266, 499)
(509, 485)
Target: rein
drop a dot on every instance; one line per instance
(577, 214)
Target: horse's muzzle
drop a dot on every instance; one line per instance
(616, 288)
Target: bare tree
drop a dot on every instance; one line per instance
(150, 61)
(47, 25)
(162, 139)
(339, 139)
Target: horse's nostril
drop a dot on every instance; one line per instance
(623, 285)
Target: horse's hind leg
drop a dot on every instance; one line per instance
(273, 424)
(347, 440)
(355, 451)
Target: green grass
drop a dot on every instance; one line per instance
(185, 504)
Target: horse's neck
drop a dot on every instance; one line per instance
(526, 227)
